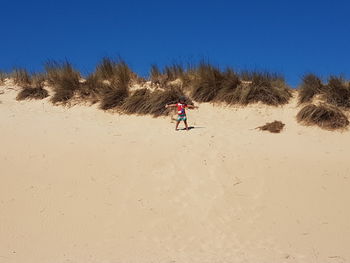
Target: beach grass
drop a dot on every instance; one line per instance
(323, 115)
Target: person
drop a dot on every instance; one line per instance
(181, 112)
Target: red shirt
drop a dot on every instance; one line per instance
(181, 109)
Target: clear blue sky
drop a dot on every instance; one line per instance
(290, 37)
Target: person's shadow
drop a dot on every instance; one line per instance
(192, 127)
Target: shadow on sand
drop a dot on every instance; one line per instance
(191, 127)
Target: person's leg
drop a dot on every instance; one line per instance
(185, 121)
(177, 125)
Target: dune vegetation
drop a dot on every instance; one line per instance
(335, 92)
(3, 76)
(114, 86)
(333, 98)
(323, 115)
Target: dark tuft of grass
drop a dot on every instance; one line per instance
(21, 77)
(228, 89)
(106, 69)
(325, 116)
(168, 74)
(110, 70)
(114, 95)
(267, 88)
(92, 89)
(273, 127)
(337, 92)
(174, 72)
(137, 103)
(3, 76)
(311, 85)
(207, 83)
(64, 80)
(155, 74)
(36, 93)
(210, 85)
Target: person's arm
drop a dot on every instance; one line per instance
(192, 107)
(170, 105)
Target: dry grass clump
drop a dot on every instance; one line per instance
(64, 80)
(155, 74)
(311, 85)
(325, 116)
(110, 69)
(174, 72)
(113, 95)
(229, 84)
(21, 77)
(36, 92)
(92, 89)
(211, 84)
(168, 74)
(137, 103)
(337, 92)
(267, 88)
(38, 79)
(3, 76)
(207, 83)
(274, 127)
(106, 69)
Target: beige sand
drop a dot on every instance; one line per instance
(80, 185)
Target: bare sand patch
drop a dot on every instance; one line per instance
(81, 185)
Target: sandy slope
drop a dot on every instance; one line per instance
(81, 185)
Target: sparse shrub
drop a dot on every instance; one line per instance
(337, 92)
(173, 72)
(211, 84)
(274, 127)
(110, 70)
(114, 94)
(36, 92)
(157, 77)
(254, 87)
(207, 83)
(137, 103)
(169, 74)
(325, 116)
(21, 77)
(92, 89)
(106, 69)
(56, 71)
(64, 80)
(3, 76)
(311, 85)
(229, 84)
(38, 79)
(155, 73)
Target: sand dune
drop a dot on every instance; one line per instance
(81, 185)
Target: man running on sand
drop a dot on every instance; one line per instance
(181, 113)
